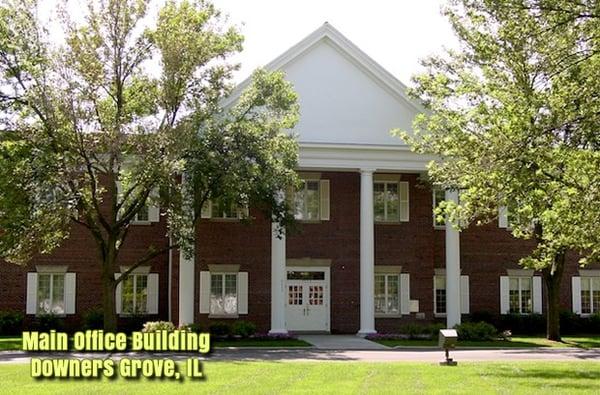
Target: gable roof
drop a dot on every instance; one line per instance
(346, 47)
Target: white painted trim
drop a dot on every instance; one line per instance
(576, 294)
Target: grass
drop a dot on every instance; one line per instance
(14, 343)
(336, 378)
(516, 342)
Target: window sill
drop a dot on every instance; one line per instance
(439, 315)
(142, 223)
(224, 316)
(390, 222)
(389, 315)
(37, 315)
(439, 227)
(224, 219)
(310, 221)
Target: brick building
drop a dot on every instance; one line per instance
(368, 255)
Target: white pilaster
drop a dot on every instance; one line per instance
(278, 278)
(452, 269)
(367, 254)
(186, 289)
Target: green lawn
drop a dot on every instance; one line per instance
(517, 342)
(337, 378)
(14, 343)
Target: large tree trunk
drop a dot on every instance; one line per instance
(552, 280)
(109, 307)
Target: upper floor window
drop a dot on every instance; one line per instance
(390, 199)
(439, 196)
(590, 295)
(307, 201)
(219, 208)
(142, 215)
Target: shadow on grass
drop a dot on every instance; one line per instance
(563, 377)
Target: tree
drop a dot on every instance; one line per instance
(513, 119)
(120, 115)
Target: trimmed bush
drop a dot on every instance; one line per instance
(421, 331)
(244, 329)
(155, 326)
(47, 322)
(477, 331)
(93, 319)
(529, 324)
(219, 329)
(196, 328)
(11, 323)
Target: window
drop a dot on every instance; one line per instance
(438, 196)
(223, 294)
(520, 295)
(439, 301)
(220, 209)
(51, 293)
(590, 295)
(390, 200)
(142, 215)
(134, 294)
(307, 201)
(387, 294)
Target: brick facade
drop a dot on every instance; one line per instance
(486, 253)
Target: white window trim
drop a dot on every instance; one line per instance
(519, 278)
(237, 295)
(134, 276)
(379, 314)
(209, 213)
(52, 274)
(385, 180)
(589, 278)
(435, 204)
(305, 182)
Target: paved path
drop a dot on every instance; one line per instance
(313, 354)
(341, 342)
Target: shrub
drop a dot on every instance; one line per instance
(132, 323)
(196, 328)
(244, 328)
(571, 323)
(47, 322)
(421, 331)
(219, 329)
(11, 322)
(93, 319)
(478, 331)
(529, 324)
(155, 326)
(481, 316)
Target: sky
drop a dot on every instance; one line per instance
(395, 33)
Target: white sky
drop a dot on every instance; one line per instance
(395, 33)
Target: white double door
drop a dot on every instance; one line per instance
(307, 302)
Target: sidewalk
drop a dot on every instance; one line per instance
(313, 354)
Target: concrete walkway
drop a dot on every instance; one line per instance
(341, 342)
(314, 354)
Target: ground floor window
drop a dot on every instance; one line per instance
(387, 294)
(520, 295)
(590, 295)
(223, 294)
(439, 301)
(51, 293)
(134, 294)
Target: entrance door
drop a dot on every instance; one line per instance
(307, 304)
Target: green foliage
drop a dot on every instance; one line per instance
(523, 324)
(116, 116)
(195, 327)
(421, 331)
(243, 329)
(477, 331)
(47, 322)
(93, 319)
(11, 323)
(155, 326)
(219, 329)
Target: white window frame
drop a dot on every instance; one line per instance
(51, 296)
(387, 294)
(209, 212)
(520, 289)
(435, 204)
(435, 288)
(223, 282)
(134, 277)
(382, 179)
(305, 182)
(591, 295)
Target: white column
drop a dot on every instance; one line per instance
(452, 269)
(278, 275)
(367, 254)
(186, 289)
